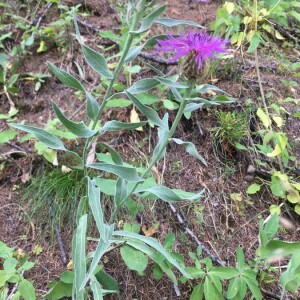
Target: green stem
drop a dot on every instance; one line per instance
(178, 117)
(262, 90)
(134, 25)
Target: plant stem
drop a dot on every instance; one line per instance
(178, 117)
(262, 90)
(135, 22)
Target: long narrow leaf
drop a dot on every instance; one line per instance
(117, 125)
(96, 289)
(92, 106)
(95, 205)
(148, 21)
(127, 173)
(66, 78)
(45, 137)
(173, 22)
(79, 261)
(79, 129)
(191, 149)
(102, 247)
(150, 113)
(162, 136)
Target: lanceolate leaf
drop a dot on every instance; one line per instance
(117, 125)
(134, 51)
(147, 84)
(79, 129)
(127, 173)
(148, 21)
(66, 78)
(190, 148)
(96, 289)
(92, 106)
(168, 195)
(79, 260)
(96, 208)
(120, 192)
(171, 83)
(162, 136)
(96, 61)
(143, 86)
(117, 159)
(150, 113)
(45, 137)
(192, 106)
(154, 244)
(102, 246)
(173, 22)
(204, 88)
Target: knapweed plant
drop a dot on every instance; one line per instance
(195, 49)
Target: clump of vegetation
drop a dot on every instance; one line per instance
(232, 128)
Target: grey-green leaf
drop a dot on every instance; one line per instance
(96, 61)
(134, 51)
(45, 137)
(96, 289)
(148, 21)
(191, 149)
(143, 86)
(66, 78)
(168, 195)
(162, 136)
(127, 173)
(150, 113)
(95, 205)
(79, 129)
(92, 106)
(79, 260)
(117, 159)
(173, 22)
(117, 125)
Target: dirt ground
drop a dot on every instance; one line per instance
(222, 228)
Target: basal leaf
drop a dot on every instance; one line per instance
(134, 259)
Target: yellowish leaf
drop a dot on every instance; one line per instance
(275, 152)
(278, 35)
(134, 118)
(263, 117)
(278, 121)
(229, 7)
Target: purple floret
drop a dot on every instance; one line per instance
(202, 44)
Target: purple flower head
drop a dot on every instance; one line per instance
(202, 45)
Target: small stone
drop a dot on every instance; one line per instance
(251, 169)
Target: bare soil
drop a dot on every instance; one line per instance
(223, 228)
